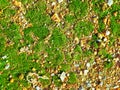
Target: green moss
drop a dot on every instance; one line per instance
(108, 64)
(37, 15)
(4, 3)
(2, 44)
(65, 67)
(77, 56)
(115, 27)
(70, 18)
(72, 78)
(57, 81)
(78, 7)
(83, 28)
(102, 52)
(58, 39)
(45, 82)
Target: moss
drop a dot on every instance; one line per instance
(45, 82)
(70, 18)
(58, 39)
(77, 56)
(78, 7)
(115, 27)
(108, 64)
(72, 78)
(102, 52)
(65, 67)
(83, 28)
(2, 44)
(57, 81)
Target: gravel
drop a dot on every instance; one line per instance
(110, 2)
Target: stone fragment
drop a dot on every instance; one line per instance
(110, 2)
(63, 76)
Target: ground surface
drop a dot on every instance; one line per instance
(59, 45)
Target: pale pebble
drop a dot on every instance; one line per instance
(110, 2)
(63, 76)
(86, 72)
(59, 1)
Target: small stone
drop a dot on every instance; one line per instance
(37, 88)
(105, 20)
(115, 14)
(81, 88)
(100, 35)
(100, 77)
(52, 74)
(86, 72)
(59, 1)
(93, 88)
(107, 33)
(103, 44)
(17, 4)
(11, 80)
(21, 76)
(88, 65)
(33, 69)
(76, 40)
(24, 88)
(81, 72)
(4, 57)
(44, 77)
(76, 65)
(104, 7)
(63, 76)
(7, 66)
(95, 52)
(115, 87)
(118, 81)
(110, 2)
(101, 83)
(53, 3)
(56, 17)
(105, 39)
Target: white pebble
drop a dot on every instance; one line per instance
(115, 87)
(86, 72)
(38, 88)
(100, 77)
(7, 66)
(76, 65)
(56, 88)
(53, 3)
(119, 81)
(63, 76)
(4, 57)
(105, 39)
(107, 33)
(88, 65)
(52, 74)
(101, 83)
(93, 88)
(59, 1)
(110, 2)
